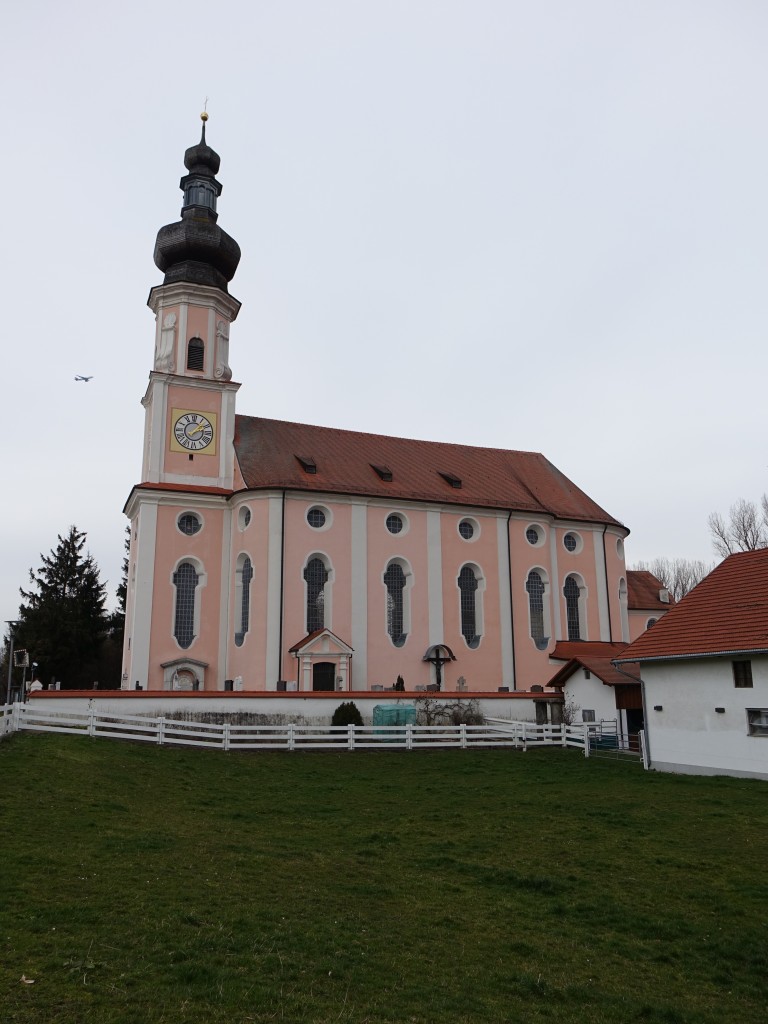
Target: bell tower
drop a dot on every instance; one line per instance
(181, 521)
(190, 401)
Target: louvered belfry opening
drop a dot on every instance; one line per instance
(195, 354)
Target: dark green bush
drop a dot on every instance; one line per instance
(347, 714)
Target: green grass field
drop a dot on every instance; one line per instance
(143, 884)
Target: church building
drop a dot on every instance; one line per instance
(269, 555)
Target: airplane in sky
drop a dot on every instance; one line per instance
(85, 380)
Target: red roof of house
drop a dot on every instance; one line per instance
(726, 613)
(274, 453)
(643, 591)
(567, 649)
(603, 668)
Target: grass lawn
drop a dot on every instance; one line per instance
(144, 884)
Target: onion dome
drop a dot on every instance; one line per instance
(195, 249)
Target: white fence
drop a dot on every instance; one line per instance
(495, 732)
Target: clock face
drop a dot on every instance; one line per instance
(193, 431)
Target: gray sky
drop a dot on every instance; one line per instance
(525, 225)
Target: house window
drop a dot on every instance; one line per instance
(394, 523)
(195, 354)
(535, 587)
(572, 542)
(467, 529)
(315, 576)
(572, 593)
(316, 518)
(587, 716)
(243, 598)
(189, 524)
(394, 580)
(742, 674)
(185, 580)
(757, 721)
(468, 585)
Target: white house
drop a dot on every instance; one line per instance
(704, 669)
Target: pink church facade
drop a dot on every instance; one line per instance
(268, 555)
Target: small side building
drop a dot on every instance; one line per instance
(704, 669)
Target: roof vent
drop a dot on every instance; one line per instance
(307, 464)
(384, 472)
(451, 479)
(664, 595)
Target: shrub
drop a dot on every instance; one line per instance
(347, 714)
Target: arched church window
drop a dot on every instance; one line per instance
(195, 354)
(243, 598)
(185, 580)
(535, 587)
(468, 585)
(572, 592)
(315, 576)
(394, 580)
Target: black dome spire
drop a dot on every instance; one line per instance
(195, 249)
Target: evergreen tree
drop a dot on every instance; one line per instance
(62, 621)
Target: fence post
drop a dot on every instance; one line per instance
(643, 749)
(91, 722)
(463, 735)
(564, 734)
(586, 740)
(350, 736)
(291, 740)
(408, 736)
(161, 730)
(226, 735)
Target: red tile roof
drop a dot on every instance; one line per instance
(643, 591)
(188, 488)
(603, 668)
(727, 613)
(567, 649)
(421, 470)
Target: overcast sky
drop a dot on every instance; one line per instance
(524, 225)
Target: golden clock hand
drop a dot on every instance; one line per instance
(193, 429)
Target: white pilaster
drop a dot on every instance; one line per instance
(435, 578)
(359, 585)
(557, 585)
(146, 543)
(226, 589)
(273, 653)
(603, 608)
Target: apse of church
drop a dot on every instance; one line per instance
(270, 555)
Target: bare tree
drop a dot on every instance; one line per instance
(677, 575)
(745, 530)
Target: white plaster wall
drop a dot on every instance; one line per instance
(688, 735)
(311, 710)
(591, 693)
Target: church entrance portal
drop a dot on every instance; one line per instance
(324, 676)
